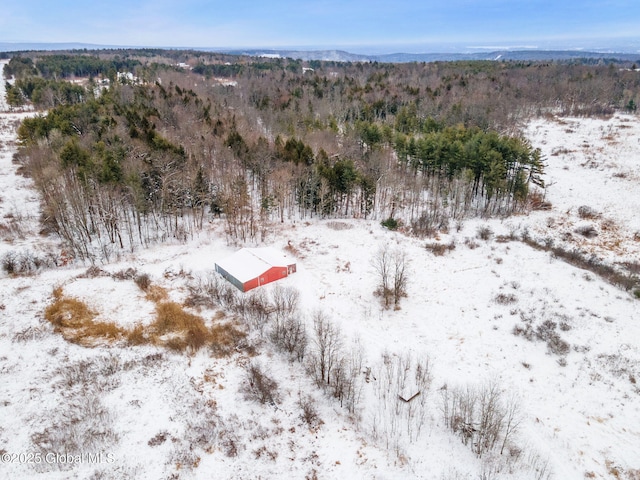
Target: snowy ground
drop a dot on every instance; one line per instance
(595, 164)
(155, 414)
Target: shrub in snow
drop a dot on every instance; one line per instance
(142, 281)
(390, 223)
(339, 225)
(289, 335)
(505, 298)
(484, 419)
(484, 233)
(94, 272)
(309, 413)
(430, 223)
(557, 345)
(125, 274)
(259, 386)
(25, 262)
(586, 230)
(546, 332)
(587, 212)
(439, 249)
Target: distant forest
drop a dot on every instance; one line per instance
(138, 146)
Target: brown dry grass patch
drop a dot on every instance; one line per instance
(156, 294)
(224, 337)
(177, 329)
(136, 336)
(75, 321)
(174, 327)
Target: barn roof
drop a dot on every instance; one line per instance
(249, 263)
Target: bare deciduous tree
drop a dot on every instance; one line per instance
(382, 264)
(290, 335)
(285, 301)
(401, 387)
(346, 383)
(512, 420)
(400, 273)
(259, 385)
(327, 352)
(392, 268)
(481, 417)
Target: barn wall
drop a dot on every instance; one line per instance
(230, 278)
(276, 273)
(273, 274)
(270, 275)
(250, 284)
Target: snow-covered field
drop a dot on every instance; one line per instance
(595, 164)
(153, 413)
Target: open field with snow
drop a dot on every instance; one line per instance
(558, 341)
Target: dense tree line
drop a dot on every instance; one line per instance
(19, 67)
(65, 66)
(420, 143)
(44, 93)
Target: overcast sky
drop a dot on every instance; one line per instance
(318, 23)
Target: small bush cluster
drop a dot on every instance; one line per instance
(439, 249)
(536, 201)
(158, 439)
(484, 233)
(26, 262)
(390, 223)
(79, 421)
(481, 417)
(505, 298)
(143, 281)
(28, 334)
(225, 338)
(545, 332)
(125, 274)
(588, 213)
(14, 229)
(430, 223)
(335, 225)
(309, 411)
(471, 243)
(94, 272)
(211, 292)
(289, 335)
(587, 231)
(259, 386)
(632, 267)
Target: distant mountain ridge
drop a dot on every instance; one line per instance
(344, 56)
(513, 55)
